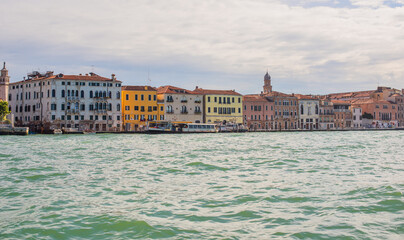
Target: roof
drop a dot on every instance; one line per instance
(216, 92)
(360, 94)
(279, 94)
(86, 77)
(254, 98)
(340, 102)
(138, 88)
(305, 97)
(173, 90)
(370, 101)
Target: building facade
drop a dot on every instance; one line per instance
(180, 105)
(342, 114)
(48, 101)
(222, 106)
(326, 114)
(258, 112)
(139, 106)
(356, 117)
(309, 114)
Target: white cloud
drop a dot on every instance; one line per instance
(306, 46)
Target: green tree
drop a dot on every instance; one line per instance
(3, 110)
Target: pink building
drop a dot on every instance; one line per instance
(258, 112)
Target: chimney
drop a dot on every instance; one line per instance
(113, 77)
(197, 87)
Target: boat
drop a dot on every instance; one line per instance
(199, 128)
(57, 131)
(180, 127)
(88, 131)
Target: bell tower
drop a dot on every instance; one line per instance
(267, 83)
(4, 81)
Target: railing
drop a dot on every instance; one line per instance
(170, 100)
(198, 101)
(72, 98)
(197, 112)
(170, 112)
(184, 100)
(184, 112)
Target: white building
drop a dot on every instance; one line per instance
(309, 112)
(357, 117)
(48, 101)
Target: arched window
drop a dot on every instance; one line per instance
(63, 93)
(68, 93)
(104, 106)
(118, 95)
(110, 107)
(96, 94)
(109, 94)
(76, 106)
(82, 94)
(118, 107)
(53, 93)
(91, 94)
(301, 109)
(104, 94)
(77, 93)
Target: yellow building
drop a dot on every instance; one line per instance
(139, 105)
(222, 105)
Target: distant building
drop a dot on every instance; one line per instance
(180, 104)
(326, 114)
(258, 112)
(285, 107)
(342, 114)
(221, 106)
(48, 101)
(139, 106)
(309, 107)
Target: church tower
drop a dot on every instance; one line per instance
(267, 84)
(4, 81)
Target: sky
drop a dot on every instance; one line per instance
(308, 47)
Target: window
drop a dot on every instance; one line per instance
(127, 96)
(136, 108)
(127, 108)
(208, 99)
(53, 106)
(118, 107)
(82, 94)
(118, 95)
(149, 97)
(208, 109)
(142, 97)
(63, 93)
(215, 109)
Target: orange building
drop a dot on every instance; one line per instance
(139, 105)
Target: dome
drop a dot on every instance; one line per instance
(267, 76)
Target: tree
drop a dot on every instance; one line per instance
(3, 110)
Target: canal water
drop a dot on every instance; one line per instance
(313, 185)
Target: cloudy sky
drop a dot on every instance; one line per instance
(309, 46)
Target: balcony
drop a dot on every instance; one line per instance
(197, 112)
(169, 112)
(73, 99)
(184, 112)
(170, 100)
(198, 101)
(184, 100)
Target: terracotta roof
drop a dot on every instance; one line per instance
(279, 94)
(306, 97)
(138, 88)
(340, 102)
(216, 92)
(254, 98)
(173, 90)
(360, 94)
(370, 101)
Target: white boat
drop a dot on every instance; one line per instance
(199, 128)
(57, 131)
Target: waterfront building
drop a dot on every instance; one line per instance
(309, 116)
(286, 114)
(221, 106)
(48, 101)
(326, 114)
(383, 107)
(258, 112)
(4, 83)
(139, 106)
(356, 116)
(342, 114)
(178, 104)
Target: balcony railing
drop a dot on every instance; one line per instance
(169, 100)
(184, 100)
(170, 112)
(197, 112)
(184, 112)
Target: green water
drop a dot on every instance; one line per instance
(319, 185)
